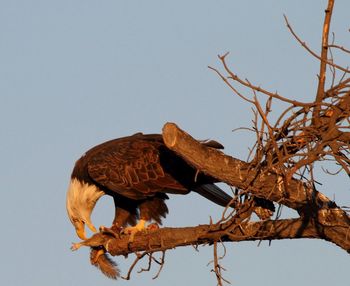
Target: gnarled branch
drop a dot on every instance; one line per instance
(330, 226)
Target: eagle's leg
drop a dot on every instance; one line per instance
(153, 208)
(125, 213)
(144, 208)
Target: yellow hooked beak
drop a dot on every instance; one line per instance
(80, 229)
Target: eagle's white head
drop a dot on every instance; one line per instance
(81, 200)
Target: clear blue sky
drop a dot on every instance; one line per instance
(76, 73)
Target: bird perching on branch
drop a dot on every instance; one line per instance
(138, 172)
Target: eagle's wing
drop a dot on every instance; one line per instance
(132, 168)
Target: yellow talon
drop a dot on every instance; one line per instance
(132, 230)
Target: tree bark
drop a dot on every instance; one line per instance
(169, 238)
(240, 174)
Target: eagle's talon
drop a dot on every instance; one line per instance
(132, 230)
(153, 227)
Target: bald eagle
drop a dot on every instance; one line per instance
(138, 171)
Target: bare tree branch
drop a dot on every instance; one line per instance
(340, 48)
(323, 64)
(328, 226)
(247, 84)
(241, 174)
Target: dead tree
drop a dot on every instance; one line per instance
(280, 167)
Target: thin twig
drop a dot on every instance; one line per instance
(306, 47)
(254, 87)
(339, 47)
(230, 86)
(137, 259)
(161, 263)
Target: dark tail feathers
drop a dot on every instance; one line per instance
(214, 194)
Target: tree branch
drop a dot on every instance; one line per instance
(169, 238)
(296, 195)
(323, 64)
(247, 84)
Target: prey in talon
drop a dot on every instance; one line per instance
(97, 240)
(98, 254)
